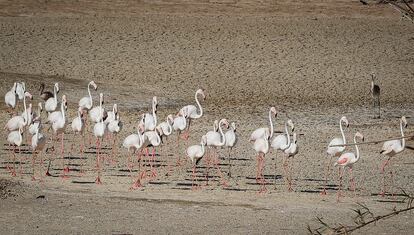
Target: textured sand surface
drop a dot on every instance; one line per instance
(311, 60)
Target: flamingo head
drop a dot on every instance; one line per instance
(170, 118)
(215, 125)
(203, 140)
(158, 129)
(344, 119)
(42, 86)
(64, 101)
(273, 111)
(95, 87)
(373, 75)
(155, 103)
(28, 95)
(295, 140)
(57, 87)
(141, 128)
(404, 120)
(80, 112)
(40, 106)
(359, 135)
(101, 98)
(290, 123)
(225, 122)
(201, 92)
(233, 125)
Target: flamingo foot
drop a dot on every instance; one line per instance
(323, 192)
(47, 173)
(153, 173)
(65, 173)
(137, 184)
(185, 135)
(33, 178)
(13, 173)
(98, 180)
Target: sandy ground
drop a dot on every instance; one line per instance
(311, 60)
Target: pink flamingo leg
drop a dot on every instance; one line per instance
(327, 173)
(98, 147)
(340, 185)
(13, 172)
(383, 190)
(153, 170)
(65, 168)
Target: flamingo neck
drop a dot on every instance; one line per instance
(199, 106)
(223, 138)
(55, 93)
(169, 127)
(402, 135)
(342, 131)
(287, 135)
(271, 124)
(356, 149)
(154, 114)
(25, 110)
(89, 92)
(62, 108)
(100, 109)
(42, 88)
(203, 148)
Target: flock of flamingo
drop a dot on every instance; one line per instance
(150, 133)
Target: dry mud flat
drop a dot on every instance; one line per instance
(313, 66)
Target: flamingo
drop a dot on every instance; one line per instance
(96, 114)
(231, 140)
(261, 146)
(36, 116)
(282, 142)
(10, 99)
(111, 115)
(58, 126)
(214, 140)
(114, 127)
(51, 103)
(78, 127)
(191, 110)
(17, 122)
(38, 144)
(86, 102)
(45, 95)
(99, 131)
(348, 159)
(260, 132)
(20, 90)
(196, 153)
(15, 138)
(152, 139)
(290, 152)
(335, 151)
(375, 93)
(390, 149)
(167, 129)
(150, 121)
(135, 142)
(179, 124)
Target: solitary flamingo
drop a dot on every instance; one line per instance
(191, 110)
(52, 102)
(99, 131)
(214, 140)
(390, 149)
(196, 153)
(231, 140)
(348, 159)
(134, 142)
(335, 151)
(260, 132)
(290, 152)
(38, 144)
(15, 138)
(261, 146)
(282, 142)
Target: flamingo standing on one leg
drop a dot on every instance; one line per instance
(214, 140)
(390, 149)
(191, 110)
(196, 153)
(348, 159)
(231, 140)
(99, 131)
(58, 126)
(261, 146)
(78, 127)
(15, 138)
(135, 142)
(38, 144)
(290, 152)
(260, 132)
(282, 142)
(335, 151)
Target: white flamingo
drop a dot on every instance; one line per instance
(191, 110)
(20, 90)
(36, 116)
(17, 122)
(38, 144)
(99, 131)
(348, 159)
(335, 151)
(179, 125)
(214, 140)
(51, 103)
(10, 99)
(196, 153)
(114, 127)
(15, 138)
(96, 114)
(134, 143)
(111, 115)
(58, 127)
(78, 127)
(260, 132)
(390, 149)
(282, 142)
(150, 120)
(86, 102)
(166, 126)
(231, 140)
(261, 146)
(152, 139)
(290, 152)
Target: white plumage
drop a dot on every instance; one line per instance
(261, 132)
